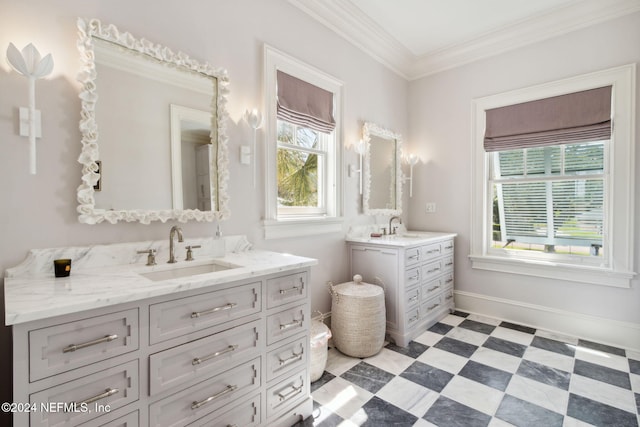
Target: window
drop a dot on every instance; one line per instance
(556, 207)
(303, 126)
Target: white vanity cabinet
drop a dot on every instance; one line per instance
(234, 353)
(417, 276)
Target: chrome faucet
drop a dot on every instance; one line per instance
(172, 256)
(393, 230)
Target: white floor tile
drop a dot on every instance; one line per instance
(603, 392)
(549, 358)
(485, 319)
(496, 359)
(342, 397)
(635, 382)
(572, 422)
(469, 336)
(428, 338)
(390, 361)
(513, 335)
(338, 363)
(602, 358)
(443, 360)
(473, 394)
(452, 320)
(546, 396)
(497, 422)
(408, 395)
(557, 336)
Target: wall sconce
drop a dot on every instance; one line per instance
(30, 64)
(411, 160)
(254, 120)
(360, 149)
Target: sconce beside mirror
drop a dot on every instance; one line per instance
(382, 193)
(161, 119)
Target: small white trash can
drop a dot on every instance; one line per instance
(320, 335)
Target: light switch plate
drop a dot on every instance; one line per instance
(430, 207)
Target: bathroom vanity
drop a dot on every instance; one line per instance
(416, 271)
(214, 341)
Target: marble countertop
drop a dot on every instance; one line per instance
(32, 296)
(402, 239)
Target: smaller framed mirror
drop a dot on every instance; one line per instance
(382, 192)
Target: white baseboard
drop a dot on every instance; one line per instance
(605, 331)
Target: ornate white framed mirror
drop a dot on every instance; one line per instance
(154, 145)
(382, 189)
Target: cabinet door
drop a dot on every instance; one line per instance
(380, 266)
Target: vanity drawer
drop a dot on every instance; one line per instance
(431, 270)
(447, 247)
(188, 405)
(412, 316)
(203, 358)
(130, 420)
(431, 288)
(412, 256)
(412, 276)
(430, 306)
(247, 414)
(286, 323)
(288, 357)
(287, 392)
(67, 346)
(447, 280)
(431, 251)
(281, 290)
(447, 263)
(412, 296)
(116, 387)
(182, 316)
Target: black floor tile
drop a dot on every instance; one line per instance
(486, 375)
(520, 328)
(477, 326)
(504, 346)
(449, 413)
(413, 350)
(602, 373)
(525, 414)
(325, 378)
(602, 347)
(382, 413)
(460, 313)
(428, 376)
(458, 347)
(634, 366)
(441, 328)
(599, 414)
(544, 374)
(554, 346)
(368, 377)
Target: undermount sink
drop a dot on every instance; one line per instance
(187, 271)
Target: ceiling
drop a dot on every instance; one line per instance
(416, 38)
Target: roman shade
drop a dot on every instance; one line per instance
(575, 117)
(304, 104)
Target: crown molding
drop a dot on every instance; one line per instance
(347, 20)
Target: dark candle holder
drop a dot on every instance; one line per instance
(62, 267)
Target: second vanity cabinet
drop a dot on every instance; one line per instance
(235, 353)
(417, 276)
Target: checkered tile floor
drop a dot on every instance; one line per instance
(472, 371)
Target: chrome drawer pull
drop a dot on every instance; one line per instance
(74, 347)
(291, 325)
(229, 389)
(416, 277)
(448, 296)
(433, 251)
(294, 289)
(449, 247)
(199, 360)
(448, 264)
(433, 271)
(448, 281)
(229, 306)
(432, 307)
(416, 256)
(413, 298)
(433, 289)
(414, 318)
(294, 358)
(108, 392)
(292, 393)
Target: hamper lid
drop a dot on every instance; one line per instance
(358, 288)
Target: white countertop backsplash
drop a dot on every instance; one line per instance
(104, 275)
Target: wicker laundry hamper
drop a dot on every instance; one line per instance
(357, 317)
